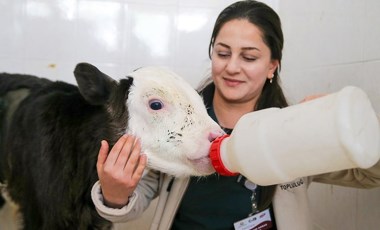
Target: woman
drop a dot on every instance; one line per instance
(246, 51)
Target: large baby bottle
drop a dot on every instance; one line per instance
(272, 146)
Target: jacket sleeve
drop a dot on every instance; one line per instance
(358, 178)
(145, 192)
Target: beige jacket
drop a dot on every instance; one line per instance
(290, 202)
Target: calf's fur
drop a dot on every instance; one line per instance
(49, 141)
(51, 131)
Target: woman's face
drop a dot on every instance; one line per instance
(241, 62)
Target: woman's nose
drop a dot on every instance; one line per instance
(233, 65)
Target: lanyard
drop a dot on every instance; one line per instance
(253, 187)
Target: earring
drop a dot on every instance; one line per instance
(271, 78)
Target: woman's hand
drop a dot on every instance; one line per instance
(312, 97)
(120, 170)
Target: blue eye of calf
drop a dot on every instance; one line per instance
(156, 105)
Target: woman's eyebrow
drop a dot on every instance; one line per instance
(250, 48)
(244, 48)
(222, 44)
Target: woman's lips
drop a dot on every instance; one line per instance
(232, 82)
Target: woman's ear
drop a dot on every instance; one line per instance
(273, 68)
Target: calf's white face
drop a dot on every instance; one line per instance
(170, 118)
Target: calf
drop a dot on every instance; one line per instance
(51, 133)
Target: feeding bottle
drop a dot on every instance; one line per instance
(272, 146)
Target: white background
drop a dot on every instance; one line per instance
(328, 44)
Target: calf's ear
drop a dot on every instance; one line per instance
(95, 86)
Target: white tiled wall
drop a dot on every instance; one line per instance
(49, 37)
(328, 44)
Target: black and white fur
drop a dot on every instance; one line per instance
(51, 133)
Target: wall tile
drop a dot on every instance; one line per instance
(371, 33)
(321, 33)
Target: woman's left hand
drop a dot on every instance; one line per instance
(312, 97)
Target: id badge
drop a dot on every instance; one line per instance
(259, 221)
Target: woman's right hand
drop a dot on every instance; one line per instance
(120, 170)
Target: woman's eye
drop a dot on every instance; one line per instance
(223, 54)
(249, 58)
(156, 104)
